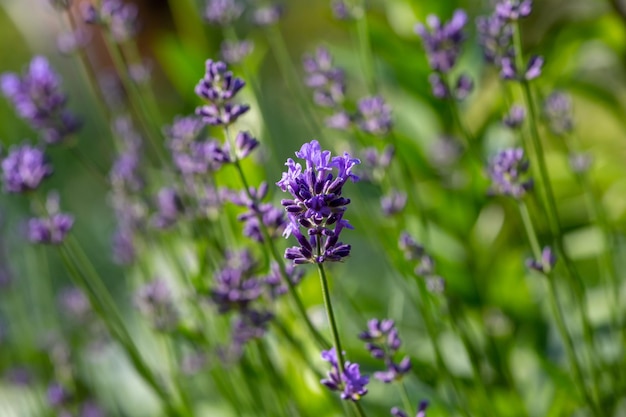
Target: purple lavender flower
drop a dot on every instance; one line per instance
(51, 230)
(317, 204)
(443, 41)
(495, 35)
(234, 52)
(154, 300)
(533, 69)
(272, 217)
(121, 19)
(58, 396)
(123, 244)
(558, 111)
(268, 15)
(383, 342)
(515, 117)
(512, 10)
(245, 143)
(439, 88)
(24, 168)
(464, 86)
(183, 131)
(75, 303)
(274, 280)
(545, 264)
(222, 12)
(374, 116)
(425, 264)
(507, 170)
(340, 121)
(70, 42)
(235, 286)
(393, 203)
(327, 82)
(38, 99)
(169, 208)
(375, 163)
(421, 410)
(351, 383)
(250, 324)
(219, 86)
(140, 72)
(342, 10)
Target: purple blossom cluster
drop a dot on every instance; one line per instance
(237, 289)
(169, 208)
(393, 202)
(376, 162)
(222, 12)
(272, 217)
(373, 115)
(442, 42)
(383, 343)
(515, 117)
(38, 99)
(496, 33)
(350, 382)
(121, 19)
(53, 228)
(24, 168)
(317, 204)
(234, 52)
(219, 87)
(268, 15)
(507, 171)
(558, 111)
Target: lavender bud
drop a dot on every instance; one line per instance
(443, 41)
(24, 168)
(507, 170)
(374, 116)
(351, 383)
(268, 15)
(234, 52)
(545, 264)
(393, 203)
(222, 12)
(515, 117)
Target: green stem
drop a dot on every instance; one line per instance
(359, 409)
(331, 317)
(406, 400)
(269, 242)
(558, 313)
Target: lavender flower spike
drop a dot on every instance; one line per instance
(24, 168)
(53, 229)
(507, 170)
(351, 383)
(443, 41)
(383, 342)
(546, 263)
(38, 99)
(374, 116)
(317, 204)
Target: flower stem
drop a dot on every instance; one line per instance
(558, 312)
(331, 317)
(406, 400)
(365, 48)
(269, 242)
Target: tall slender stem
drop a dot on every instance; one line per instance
(558, 312)
(365, 49)
(331, 316)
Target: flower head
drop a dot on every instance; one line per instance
(546, 263)
(24, 168)
(317, 204)
(443, 41)
(156, 303)
(558, 111)
(351, 383)
(219, 86)
(383, 342)
(235, 286)
(222, 12)
(374, 116)
(38, 99)
(326, 81)
(507, 171)
(234, 52)
(268, 15)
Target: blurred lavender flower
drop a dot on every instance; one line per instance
(121, 19)
(123, 245)
(18, 375)
(219, 86)
(274, 280)
(375, 163)
(57, 395)
(374, 116)
(91, 409)
(340, 121)
(326, 81)
(383, 342)
(342, 10)
(53, 229)
(580, 162)
(169, 208)
(235, 286)
(439, 88)
(24, 168)
(154, 300)
(464, 86)
(250, 324)
(38, 99)
(268, 15)
(124, 174)
(222, 12)
(245, 143)
(393, 203)
(495, 35)
(183, 131)
(507, 170)
(141, 72)
(351, 383)
(317, 204)
(545, 264)
(421, 410)
(425, 264)
(75, 304)
(273, 218)
(558, 111)
(234, 52)
(508, 71)
(70, 42)
(515, 117)
(513, 10)
(443, 41)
